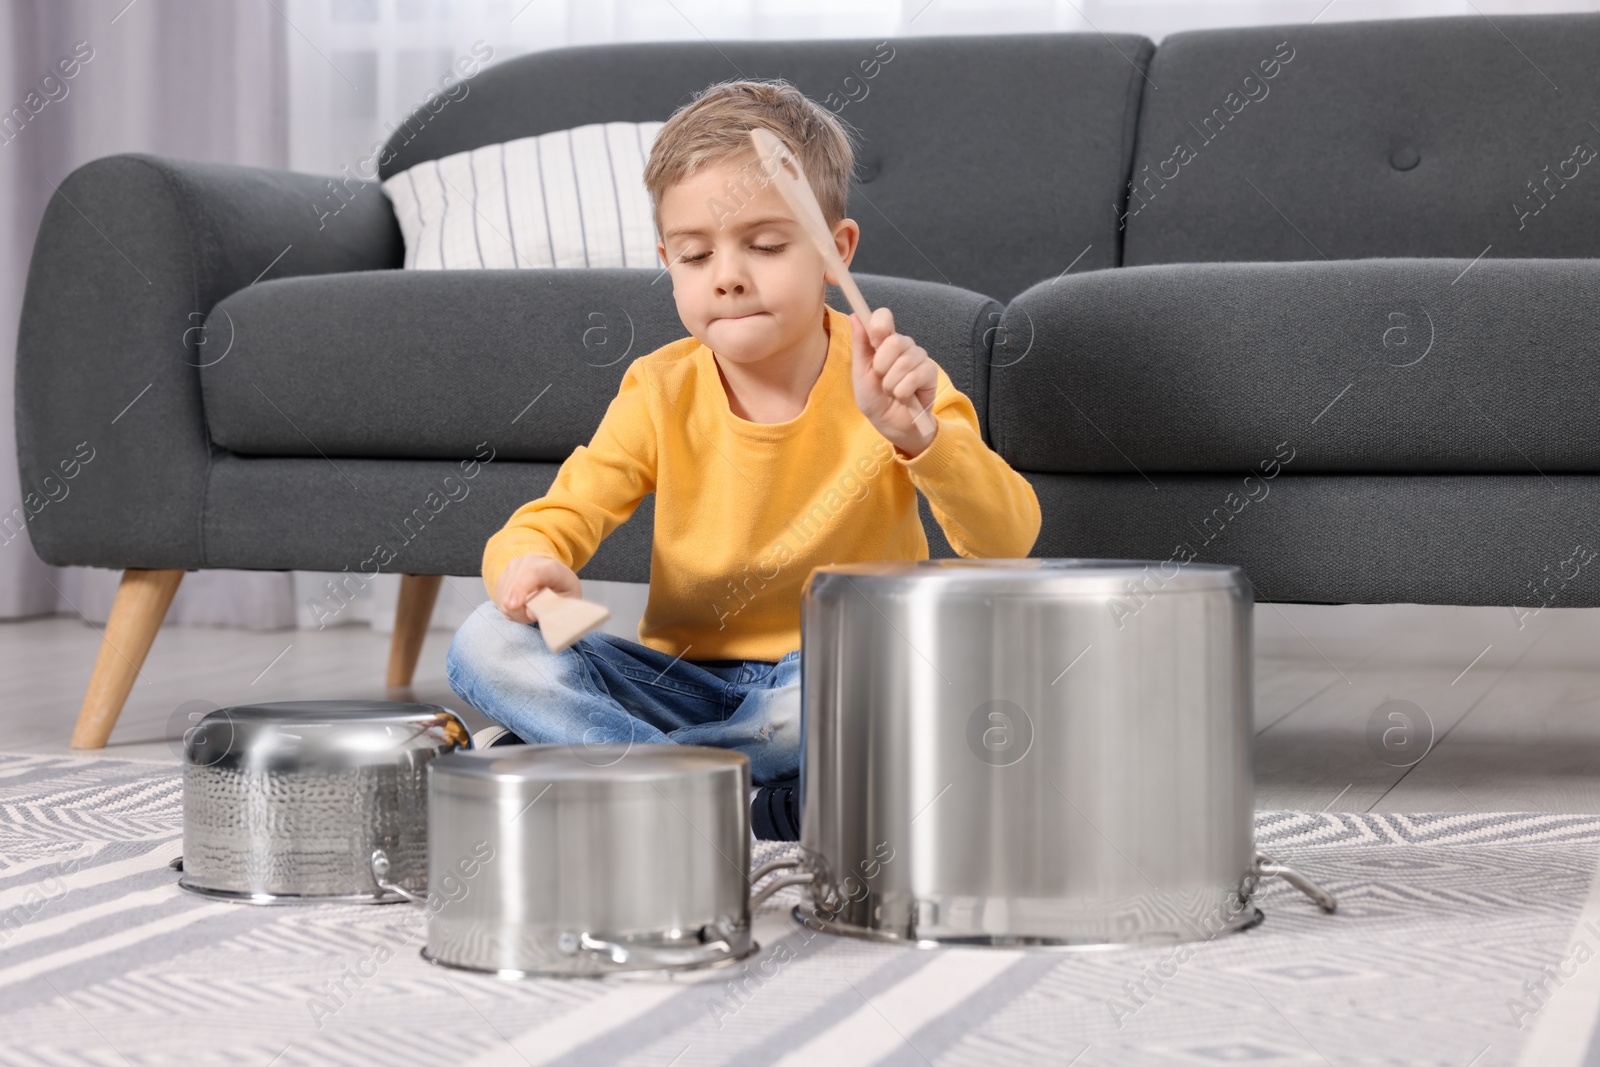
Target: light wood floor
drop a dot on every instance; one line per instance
(1514, 711)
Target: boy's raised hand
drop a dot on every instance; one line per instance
(525, 576)
(892, 373)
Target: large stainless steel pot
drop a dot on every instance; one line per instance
(285, 802)
(1030, 751)
(590, 859)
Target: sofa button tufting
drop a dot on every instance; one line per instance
(1404, 158)
(868, 170)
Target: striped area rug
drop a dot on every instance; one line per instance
(1457, 942)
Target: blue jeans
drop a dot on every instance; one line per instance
(607, 689)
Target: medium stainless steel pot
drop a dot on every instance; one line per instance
(1029, 751)
(285, 802)
(590, 859)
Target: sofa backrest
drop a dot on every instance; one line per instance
(987, 162)
(1437, 137)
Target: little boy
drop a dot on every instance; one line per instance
(779, 437)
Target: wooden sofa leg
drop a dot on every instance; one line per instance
(418, 593)
(136, 615)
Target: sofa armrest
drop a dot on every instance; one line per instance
(132, 253)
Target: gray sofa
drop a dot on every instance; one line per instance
(1286, 297)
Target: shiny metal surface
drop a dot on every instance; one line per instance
(814, 918)
(285, 802)
(586, 860)
(1028, 752)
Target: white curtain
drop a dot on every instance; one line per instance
(205, 81)
(311, 84)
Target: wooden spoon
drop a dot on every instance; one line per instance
(780, 165)
(564, 619)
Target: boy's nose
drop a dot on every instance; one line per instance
(728, 275)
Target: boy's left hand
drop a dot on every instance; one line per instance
(891, 373)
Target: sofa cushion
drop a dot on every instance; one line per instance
(413, 516)
(987, 161)
(1399, 365)
(1518, 540)
(429, 364)
(1408, 137)
(570, 198)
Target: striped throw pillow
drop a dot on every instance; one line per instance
(572, 198)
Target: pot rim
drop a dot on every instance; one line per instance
(1035, 577)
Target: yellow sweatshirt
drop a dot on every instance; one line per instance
(745, 510)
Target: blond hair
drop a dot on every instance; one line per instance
(715, 127)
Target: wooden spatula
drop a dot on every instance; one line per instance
(790, 178)
(564, 619)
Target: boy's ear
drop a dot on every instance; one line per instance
(661, 250)
(846, 238)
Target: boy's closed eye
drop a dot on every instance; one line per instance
(769, 249)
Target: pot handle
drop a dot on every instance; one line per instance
(1267, 867)
(640, 956)
(759, 896)
(380, 874)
